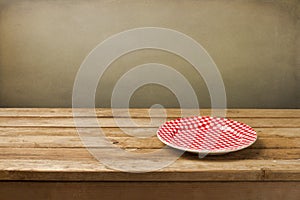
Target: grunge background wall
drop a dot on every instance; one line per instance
(254, 43)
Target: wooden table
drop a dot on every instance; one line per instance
(42, 157)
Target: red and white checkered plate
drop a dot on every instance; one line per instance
(211, 135)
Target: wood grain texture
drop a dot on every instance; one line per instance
(125, 142)
(143, 113)
(43, 145)
(181, 170)
(117, 132)
(141, 122)
(82, 154)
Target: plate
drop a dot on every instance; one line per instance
(206, 135)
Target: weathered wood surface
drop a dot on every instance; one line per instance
(144, 113)
(43, 144)
(141, 122)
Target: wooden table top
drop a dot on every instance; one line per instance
(43, 144)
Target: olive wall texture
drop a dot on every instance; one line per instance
(254, 43)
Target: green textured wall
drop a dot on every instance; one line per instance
(254, 43)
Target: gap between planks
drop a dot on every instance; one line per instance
(140, 122)
(82, 154)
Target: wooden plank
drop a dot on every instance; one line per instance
(81, 154)
(278, 132)
(149, 190)
(144, 112)
(141, 122)
(117, 132)
(123, 142)
(181, 170)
